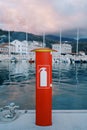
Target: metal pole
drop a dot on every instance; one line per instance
(43, 40)
(26, 36)
(77, 41)
(9, 43)
(60, 41)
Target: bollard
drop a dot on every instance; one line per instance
(43, 86)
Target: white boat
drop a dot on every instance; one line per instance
(79, 57)
(13, 59)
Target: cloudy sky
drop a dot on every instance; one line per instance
(37, 16)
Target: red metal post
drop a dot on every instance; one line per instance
(43, 86)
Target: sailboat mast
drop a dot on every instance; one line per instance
(43, 40)
(60, 41)
(26, 36)
(26, 42)
(9, 42)
(77, 41)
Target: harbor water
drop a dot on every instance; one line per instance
(17, 84)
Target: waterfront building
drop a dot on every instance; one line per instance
(62, 49)
(31, 46)
(5, 47)
(65, 48)
(3, 50)
(25, 47)
(20, 47)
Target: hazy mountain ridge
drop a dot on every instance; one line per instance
(50, 39)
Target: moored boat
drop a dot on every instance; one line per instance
(31, 60)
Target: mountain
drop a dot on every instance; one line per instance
(49, 39)
(22, 36)
(57, 38)
(17, 36)
(83, 40)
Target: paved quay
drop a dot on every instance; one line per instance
(62, 120)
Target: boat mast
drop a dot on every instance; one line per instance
(77, 41)
(26, 37)
(43, 40)
(26, 41)
(60, 41)
(9, 42)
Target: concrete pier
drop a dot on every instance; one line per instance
(62, 120)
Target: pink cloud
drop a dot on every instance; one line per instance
(37, 16)
(28, 15)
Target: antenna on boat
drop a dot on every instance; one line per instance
(77, 41)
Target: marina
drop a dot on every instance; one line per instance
(21, 50)
(68, 58)
(17, 84)
(43, 65)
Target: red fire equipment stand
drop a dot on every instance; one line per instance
(43, 86)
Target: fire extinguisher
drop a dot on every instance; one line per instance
(43, 77)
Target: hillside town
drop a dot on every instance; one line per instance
(21, 50)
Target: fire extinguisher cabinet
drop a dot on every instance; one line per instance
(43, 86)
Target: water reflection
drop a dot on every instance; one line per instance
(70, 91)
(17, 84)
